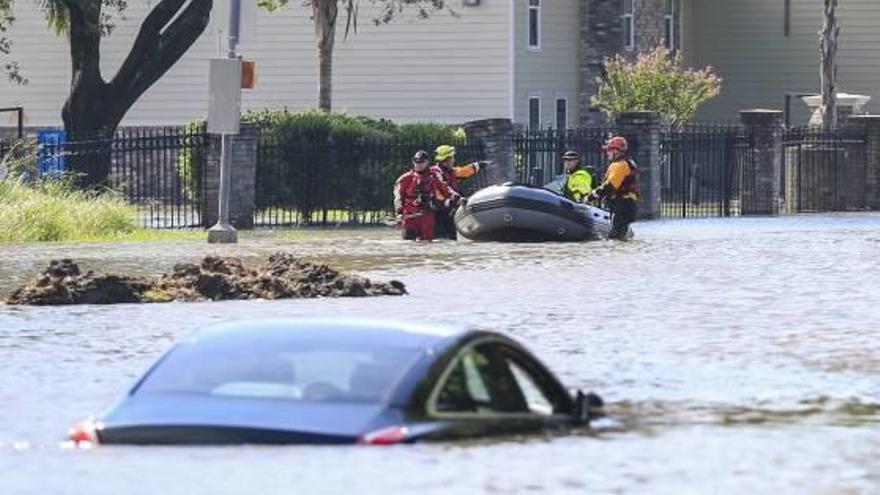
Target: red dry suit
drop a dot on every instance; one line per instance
(416, 194)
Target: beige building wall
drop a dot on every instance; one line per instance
(444, 69)
(550, 71)
(746, 42)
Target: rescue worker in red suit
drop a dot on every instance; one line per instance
(417, 194)
(451, 174)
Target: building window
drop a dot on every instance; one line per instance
(561, 113)
(629, 25)
(670, 25)
(534, 112)
(535, 24)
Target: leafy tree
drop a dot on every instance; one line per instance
(96, 105)
(655, 81)
(7, 66)
(324, 16)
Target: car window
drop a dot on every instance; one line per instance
(300, 371)
(480, 382)
(538, 402)
(464, 389)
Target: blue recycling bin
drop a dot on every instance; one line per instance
(51, 159)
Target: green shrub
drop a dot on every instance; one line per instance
(191, 166)
(655, 81)
(327, 150)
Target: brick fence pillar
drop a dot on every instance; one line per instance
(497, 137)
(759, 193)
(643, 130)
(870, 124)
(243, 174)
(601, 36)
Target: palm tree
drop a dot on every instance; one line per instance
(324, 15)
(828, 48)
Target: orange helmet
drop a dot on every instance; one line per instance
(616, 143)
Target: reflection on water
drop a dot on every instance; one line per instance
(738, 356)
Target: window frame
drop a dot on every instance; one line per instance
(563, 99)
(507, 352)
(629, 26)
(670, 26)
(534, 97)
(536, 10)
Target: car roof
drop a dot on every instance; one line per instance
(393, 332)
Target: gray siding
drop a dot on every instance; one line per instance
(553, 70)
(744, 40)
(445, 69)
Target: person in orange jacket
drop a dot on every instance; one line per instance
(417, 194)
(444, 157)
(619, 188)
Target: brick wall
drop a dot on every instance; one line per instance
(602, 35)
(243, 166)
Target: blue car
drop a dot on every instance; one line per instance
(323, 381)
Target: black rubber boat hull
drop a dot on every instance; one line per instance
(518, 213)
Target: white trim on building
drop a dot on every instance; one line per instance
(534, 19)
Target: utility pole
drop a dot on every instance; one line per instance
(225, 79)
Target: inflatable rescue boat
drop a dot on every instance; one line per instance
(520, 213)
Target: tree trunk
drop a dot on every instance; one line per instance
(324, 12)
(84, 113)
(828, 47)
(95, 108)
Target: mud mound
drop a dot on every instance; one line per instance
(214, 278)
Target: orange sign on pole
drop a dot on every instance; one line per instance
(248, 74)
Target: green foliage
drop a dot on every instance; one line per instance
(191, 166)
(388, 9)
(317, 126)
(52, 210)
(324, 145)
(655, 81)
(58, 19)
(322, 160)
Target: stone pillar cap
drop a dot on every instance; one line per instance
(761, 111)
(639, 117)
(761, 117)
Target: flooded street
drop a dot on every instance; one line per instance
(737, 356)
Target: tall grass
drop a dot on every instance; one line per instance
(52, 210)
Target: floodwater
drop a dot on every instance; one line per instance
(737, 355)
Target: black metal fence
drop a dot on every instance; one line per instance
(702, 168)
(539, 152)
(302, 183)
(5, 148)
(160, 170)
(824, 170)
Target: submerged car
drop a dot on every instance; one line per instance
(321, 381)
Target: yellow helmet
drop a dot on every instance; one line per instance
(443, 152)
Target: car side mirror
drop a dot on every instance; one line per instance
(587, 406)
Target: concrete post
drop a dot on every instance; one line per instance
(870, 124)
(643, 132)
(243, 157)
(759, 193)
(498, 143)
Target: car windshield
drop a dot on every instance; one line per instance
(289, 369)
